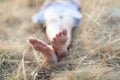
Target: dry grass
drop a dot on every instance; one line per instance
(95, 54)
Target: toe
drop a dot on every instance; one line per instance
(64, 31)
(42, 44)
(54, 39)
(37, 47)
(39, 42)
(33, 41)
(57, 35)
(47, 48)
(60, 33)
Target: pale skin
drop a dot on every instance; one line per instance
(58, 32)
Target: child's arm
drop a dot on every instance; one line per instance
(46, 3)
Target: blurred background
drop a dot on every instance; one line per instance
(94, 55)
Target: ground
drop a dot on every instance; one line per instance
(94, 55)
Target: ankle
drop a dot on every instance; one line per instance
(62, 53)
(52, 58)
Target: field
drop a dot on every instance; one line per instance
(94, 55)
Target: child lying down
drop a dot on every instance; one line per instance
(60, 18)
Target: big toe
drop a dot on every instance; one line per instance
(33, 40)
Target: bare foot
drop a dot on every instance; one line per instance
(46, 50)
(59, 42)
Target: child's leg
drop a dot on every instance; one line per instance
(63, 39)
(53, 23)
(68, 24)
(59, 31)
(45, 49)
(56, 35)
